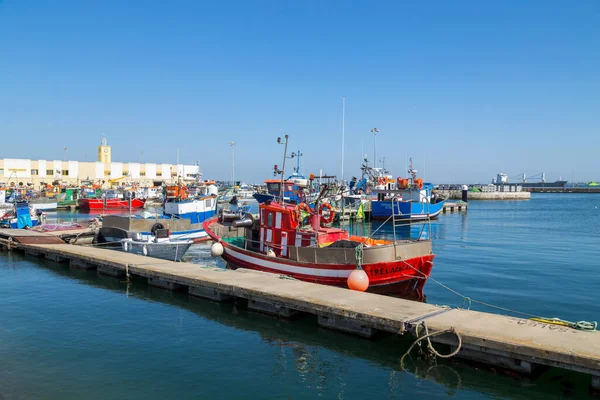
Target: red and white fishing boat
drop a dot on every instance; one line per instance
(294, 240)
(279, 242)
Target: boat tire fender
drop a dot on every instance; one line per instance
(156, 227)
(126, 246)
(145, 250)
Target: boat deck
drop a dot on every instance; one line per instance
(508, 342)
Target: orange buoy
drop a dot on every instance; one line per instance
(358, 280)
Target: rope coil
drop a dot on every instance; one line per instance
(427, 336)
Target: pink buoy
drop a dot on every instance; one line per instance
(358, 280)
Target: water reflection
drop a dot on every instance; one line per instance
(304, 355)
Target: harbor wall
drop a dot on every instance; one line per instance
(457, 195)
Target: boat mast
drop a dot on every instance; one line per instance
(343, 123)
(411, 171)
(298, 154)
(342, 182)
(285, 142)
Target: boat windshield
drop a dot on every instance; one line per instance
(273, 187)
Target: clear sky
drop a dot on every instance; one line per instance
(468, 88)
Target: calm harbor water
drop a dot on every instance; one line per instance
(73, 334)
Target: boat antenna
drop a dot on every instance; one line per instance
(281, 171)
(411, 171)
(298, 154)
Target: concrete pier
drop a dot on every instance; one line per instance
(506, 342)
(455, 206)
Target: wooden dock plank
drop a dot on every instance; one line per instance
(490, 334)
(28, 236)
(20, 233)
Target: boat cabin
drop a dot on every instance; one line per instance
(281, 226)
(274, 189)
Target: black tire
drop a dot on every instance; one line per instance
(156, 227)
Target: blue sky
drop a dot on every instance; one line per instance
(468, 88)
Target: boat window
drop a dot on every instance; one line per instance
(273, 187)
(207, 202)
(269, 219)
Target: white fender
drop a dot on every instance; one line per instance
(216, 250)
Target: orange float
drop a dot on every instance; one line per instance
(358, 280)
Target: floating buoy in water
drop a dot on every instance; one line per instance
(358, 280)
(216, 250)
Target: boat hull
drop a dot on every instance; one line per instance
(13, 223)
(380, 274)
(263, 197)
(49, 206)
(406, 210)
(109, 204)
(114, 235)
(166, 251)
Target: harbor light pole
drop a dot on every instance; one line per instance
(375, 131)
(232, 144)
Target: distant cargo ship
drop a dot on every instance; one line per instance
(555, 184)
(502, 179)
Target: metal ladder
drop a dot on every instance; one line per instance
(396, 220)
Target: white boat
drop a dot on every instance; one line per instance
(43, 204)
(160, 247)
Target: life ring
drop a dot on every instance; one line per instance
(381, 181)
(156, 227)
(331, 213)
(145, 250)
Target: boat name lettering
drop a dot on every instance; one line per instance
(386, 271)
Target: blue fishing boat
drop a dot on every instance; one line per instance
(410, 205)
(408, 199)
(296, 188)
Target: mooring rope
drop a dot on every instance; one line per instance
(427, 336)
(358, 254)
(467, 301)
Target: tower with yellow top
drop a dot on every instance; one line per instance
(104, 152)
